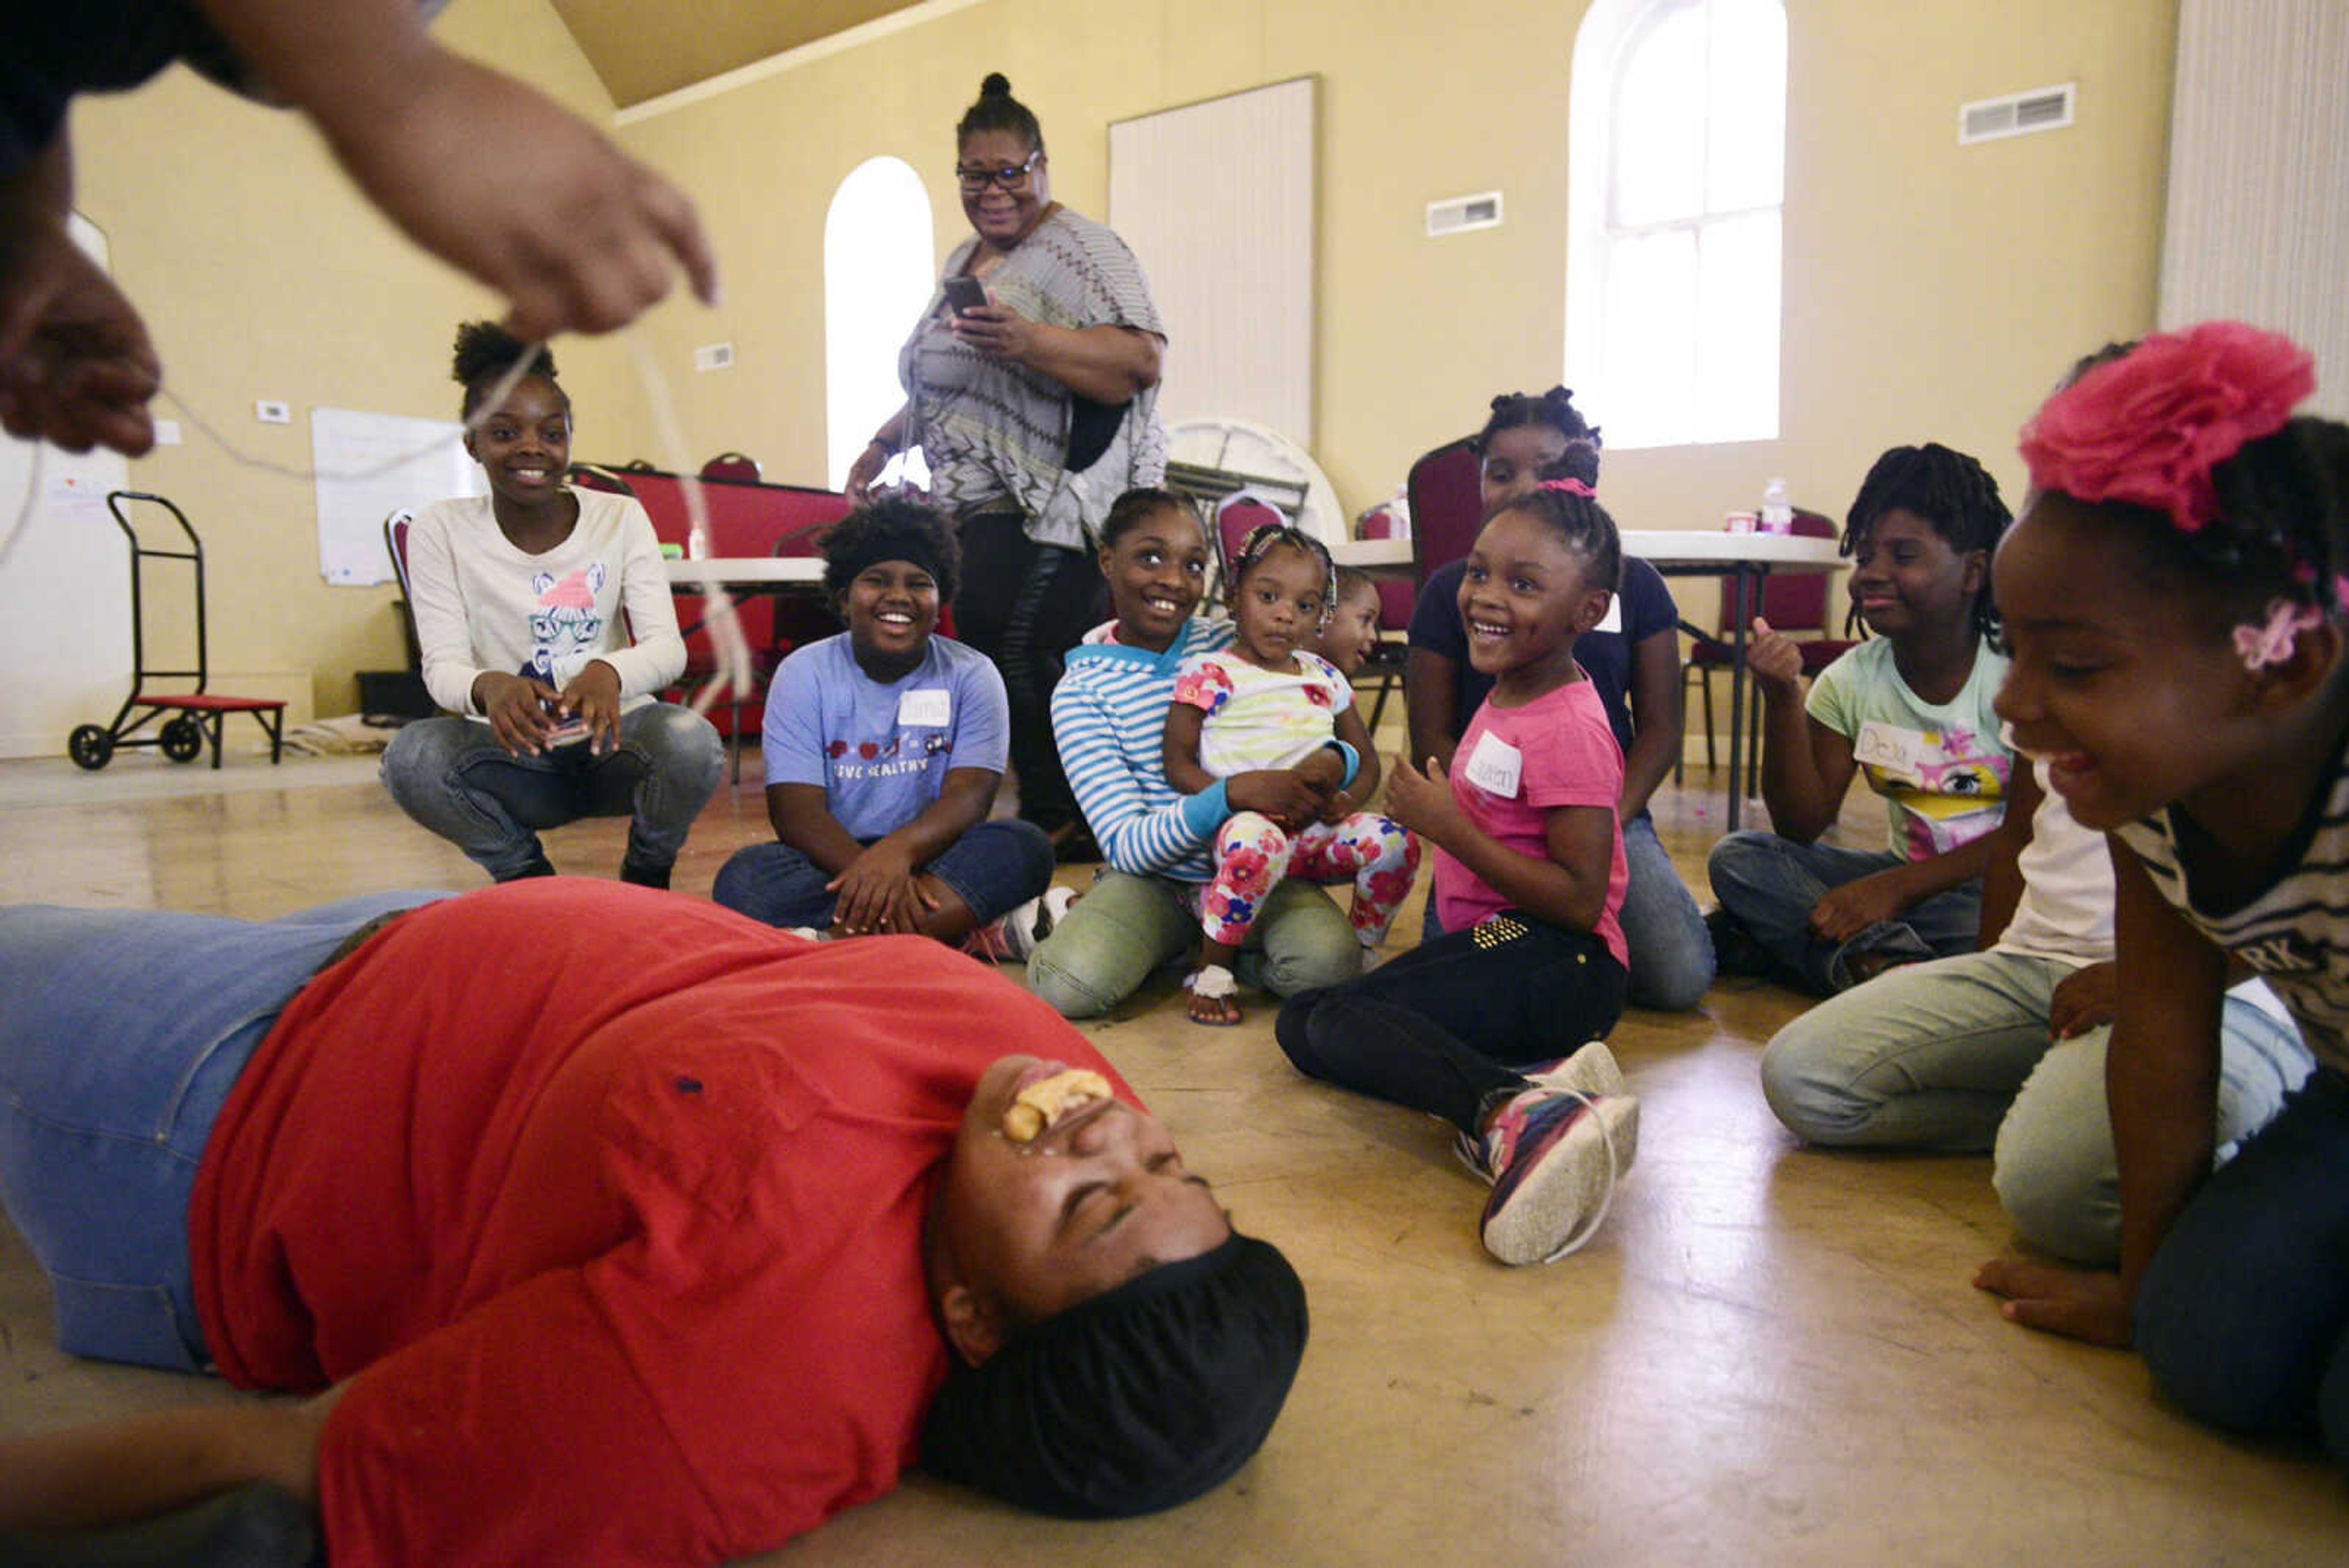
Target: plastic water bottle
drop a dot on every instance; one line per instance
(1777, 512)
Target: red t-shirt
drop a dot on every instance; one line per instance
(1557, 750)
(611, 1203)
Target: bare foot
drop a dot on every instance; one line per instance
(1217, 1011)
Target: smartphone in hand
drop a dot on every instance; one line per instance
(966, 294)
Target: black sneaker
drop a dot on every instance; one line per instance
(1735, 953)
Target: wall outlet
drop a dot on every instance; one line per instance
(713, 357)
(166, 432)
(269, 411)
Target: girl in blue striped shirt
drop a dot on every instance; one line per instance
(1109, 720)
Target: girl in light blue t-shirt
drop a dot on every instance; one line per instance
(885, 746)
(1910, 710)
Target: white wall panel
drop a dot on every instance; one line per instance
(1217, 201)
(2258, 220)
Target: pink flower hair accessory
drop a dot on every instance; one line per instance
(2148, 427)
(2261, 646)
(1571, 486)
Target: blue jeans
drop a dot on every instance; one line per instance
(1672, 952)
(1769, 885)
(1445, 1026)
(994, 867)
(1126, 926)
(2243, 1316)
(1954, 1056)
(121, 1032)
(451, 775)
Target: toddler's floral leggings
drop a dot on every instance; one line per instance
(1253, 854)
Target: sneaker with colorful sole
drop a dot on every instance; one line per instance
(1553, 1158)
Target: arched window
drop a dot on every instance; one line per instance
(1676, 172)
(879, 271)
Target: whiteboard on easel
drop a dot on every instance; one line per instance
(371, 465)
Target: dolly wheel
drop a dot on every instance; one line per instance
(184, 740)
(91, 746)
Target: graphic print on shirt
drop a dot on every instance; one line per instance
(1950, 784)
(901, 752)
(564, 627)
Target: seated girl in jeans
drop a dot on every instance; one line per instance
(546, 620)
(1908, 709)
(885, 746)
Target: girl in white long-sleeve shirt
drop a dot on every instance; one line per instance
(546, 624)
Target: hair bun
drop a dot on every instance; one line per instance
(997, 85)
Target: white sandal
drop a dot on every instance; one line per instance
(1215, 982)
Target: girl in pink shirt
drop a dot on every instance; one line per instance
(1528, 879)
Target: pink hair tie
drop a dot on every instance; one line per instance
(1571, 486)
(2148, 427)
(2261, 646)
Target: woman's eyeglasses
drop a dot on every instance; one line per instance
(1013, 178)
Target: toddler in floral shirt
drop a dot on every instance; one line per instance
(1269, 703)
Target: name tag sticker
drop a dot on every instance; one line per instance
(1496, 766)
(1613, 619)
(1893, 750)
(931, 707)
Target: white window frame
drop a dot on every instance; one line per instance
(1609, 34)
(880, 271)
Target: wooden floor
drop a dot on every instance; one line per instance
(1768, 1355)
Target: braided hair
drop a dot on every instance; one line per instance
(997, 109)
(1554, 409)
(1567, 509)
(1949, 491)
(486, 352)
(1265, 537)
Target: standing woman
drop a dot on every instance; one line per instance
(545, 620)
(1035, 411)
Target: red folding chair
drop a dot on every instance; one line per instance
(1237, 515)
(733, 467)
(1447, 504)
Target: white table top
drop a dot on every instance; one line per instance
(1657, 546)
(746, 572)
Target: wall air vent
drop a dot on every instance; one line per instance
(2017, 114)
(1462, 214)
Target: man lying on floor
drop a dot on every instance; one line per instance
(603, 1226)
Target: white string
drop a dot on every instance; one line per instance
(724, 626)
(733, 651)
(483, 411)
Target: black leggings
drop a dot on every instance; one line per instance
(1444, 1027)
(1024, 605)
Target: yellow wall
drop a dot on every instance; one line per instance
(1931, 291)
(262, 274)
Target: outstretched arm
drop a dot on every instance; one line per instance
(76, 365)
(117, 1471)
(489, 176)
